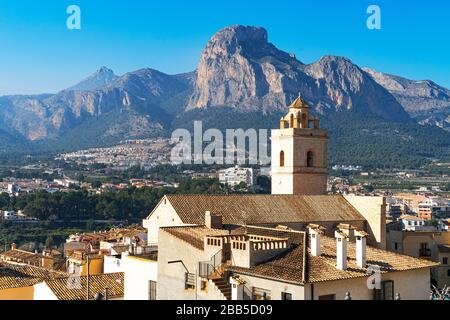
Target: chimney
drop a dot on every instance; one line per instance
(341, 250)
(347, 229)
(361, 248)
(315, 232)
(213, 221)
(13, 246)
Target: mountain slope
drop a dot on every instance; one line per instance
(50, 117)
(100, 78)
(421, 99)
(239, 68)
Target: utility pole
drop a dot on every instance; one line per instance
(87, 278)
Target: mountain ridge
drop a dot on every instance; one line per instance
(239, 71)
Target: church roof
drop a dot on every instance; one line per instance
(298, 104)
(264, 209)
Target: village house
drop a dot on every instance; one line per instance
(101, 287)
(217, 262)
(17, 281)
(49, 259)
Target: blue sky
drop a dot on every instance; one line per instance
(39, 54)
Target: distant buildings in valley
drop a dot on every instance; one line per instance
(16, 216)
(145, 153)
(236, 176)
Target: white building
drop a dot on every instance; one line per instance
(75, 288)
(236, 175)
(413, 223)
(141, 276)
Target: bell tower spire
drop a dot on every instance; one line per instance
(299, 153)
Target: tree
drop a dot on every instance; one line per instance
(90, 225)
(49, 242)
(96, 184)
(4, 200)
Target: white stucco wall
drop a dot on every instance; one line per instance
(138, 273)
(164, 215)
(275, 287)
(43, 292)
(112, 264)
(412, 285)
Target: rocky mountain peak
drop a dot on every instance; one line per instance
(240, 68)
(100, 78)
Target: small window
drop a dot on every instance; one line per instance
(395, 246)
(448, 273)
(286, 296)
(310, 159)
(151, 290)
(445, 260)
(282, 159)
(190, 281)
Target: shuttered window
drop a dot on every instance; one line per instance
(151, 290)
(190, 281)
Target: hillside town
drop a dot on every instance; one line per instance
(303, 241)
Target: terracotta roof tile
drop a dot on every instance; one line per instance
(289, 267)
(267, 209)
(64, 290)
(17, 276)
(194, 235)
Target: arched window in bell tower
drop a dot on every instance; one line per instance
(291, 123)
(304, 121)
(282, 159)
(310, 159)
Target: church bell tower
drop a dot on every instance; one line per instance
(299, 153)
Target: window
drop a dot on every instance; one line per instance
(291, 124)
(309, 159)
(328, 297)
(386, 292)
(151, 290)
(261, 294)
(395, 246)
(448, 273)
(445, 260)
(286, 296)
(282, 159)
(190, 281)
(424, 250)
(304, 121)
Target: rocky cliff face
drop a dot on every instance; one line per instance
(43, 117)
(239, 68)
(417, 97)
